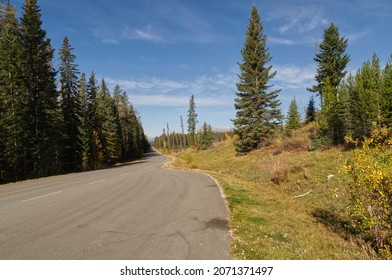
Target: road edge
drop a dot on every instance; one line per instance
(217, 183)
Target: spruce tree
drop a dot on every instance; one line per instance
(126, 126)
(13, 95)
(368, 97)
(351, 119)
(310, 111)
(192, 120)
(258, 114)
(120, 150)
(93, 125)
(331, 64)
(206, 137)
(71, 109)
(108, 131)
(293, 117)
(42, 155)
(331, 60)
(387, 92)
(82, 97)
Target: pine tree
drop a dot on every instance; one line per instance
(169, 140)
(206, 137)
(310, 111)
(71, 109)
(82, 97)
(12, 98)
(351, 108)
(42, 155)
(258, 114)
(331, 60)
(133, 138)
(126, 128)
(387, 92)
(93, 125)
(108, 129)
(192, 120)
(368, 97)
(120, 150)
(293, 117)
(137, 134)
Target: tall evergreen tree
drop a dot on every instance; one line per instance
(42, 157)
(367, 101)
(258, 114)
(387, 92)
(126, 126)
(71, 109)
(108, 131)
(181, 135)
(82, 96)
(120, 150)
(169, 138)
(192, 120)
(206, 137)
(310, 111)
(93, 125)
(331, 60)
(293, 117)
(12, 98)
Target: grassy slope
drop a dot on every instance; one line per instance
(267, 221)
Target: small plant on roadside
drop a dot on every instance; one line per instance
(371, 190)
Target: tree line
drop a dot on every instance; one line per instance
(201, 138)
(354, 105)
(350, 106)
(49, 128)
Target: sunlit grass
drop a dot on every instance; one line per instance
(284, 202)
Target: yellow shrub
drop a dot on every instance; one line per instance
(371, 190)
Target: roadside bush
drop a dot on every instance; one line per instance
(371, 190)
(280, 174)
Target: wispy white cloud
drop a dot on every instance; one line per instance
(147, 33)
(196, 28)
(354, 37)
(152, 84)
(106, 36)
(109, 36)
(162, 100)
(301, 20)
(294, 77)
(167, 24)
(298, 25)
(215, 90)
(282, 41)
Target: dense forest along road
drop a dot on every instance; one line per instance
(135, 211)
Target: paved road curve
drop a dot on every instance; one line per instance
(137, 211)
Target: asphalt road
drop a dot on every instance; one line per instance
(136, 211)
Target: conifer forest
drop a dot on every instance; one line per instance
(56, 120)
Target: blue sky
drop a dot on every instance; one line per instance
(163, 51)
